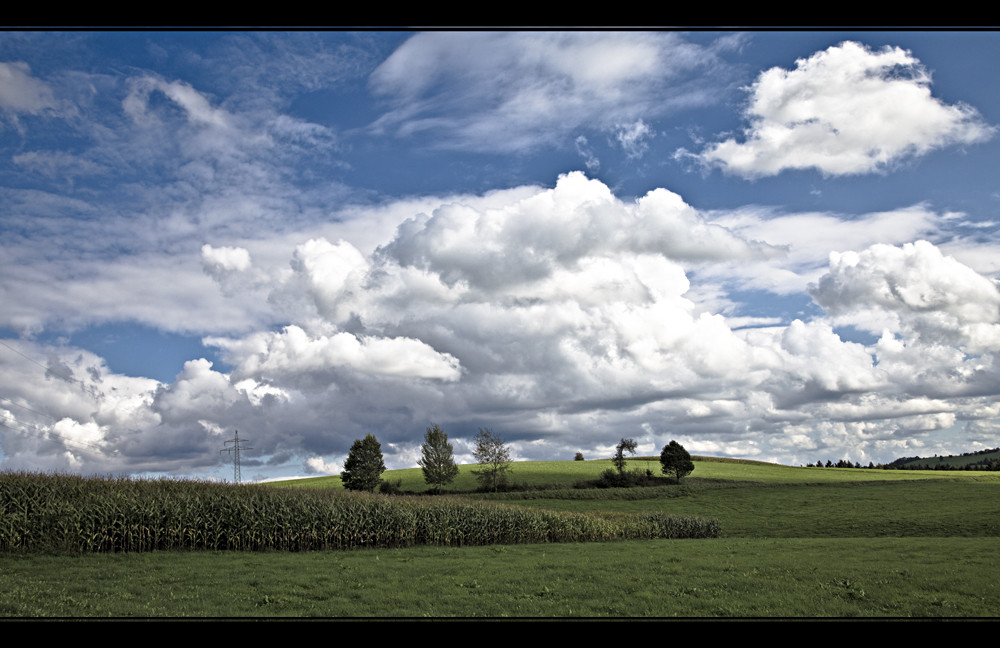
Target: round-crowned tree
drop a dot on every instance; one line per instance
(676, 461)
(364, 466)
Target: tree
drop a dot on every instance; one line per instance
(626, 445)
(494, 457)
(364, 467)
(676, 461)
(438, 463)
(578, 457)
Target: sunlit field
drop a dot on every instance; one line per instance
(802, 542)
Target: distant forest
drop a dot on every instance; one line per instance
(979, 460)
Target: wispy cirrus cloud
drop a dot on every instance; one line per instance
(507, 92)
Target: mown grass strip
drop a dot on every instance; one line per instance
(838, 577)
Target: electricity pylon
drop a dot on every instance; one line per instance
(235, 451)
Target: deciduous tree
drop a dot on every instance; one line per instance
(626, 445)
(494, 459)
(364, 466)
(438, 462)
(676, 461)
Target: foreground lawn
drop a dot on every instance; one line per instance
(879, 577)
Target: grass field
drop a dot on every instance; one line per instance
(800, 542)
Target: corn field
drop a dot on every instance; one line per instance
(63, 513)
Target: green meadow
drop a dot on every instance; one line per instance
(795, 542)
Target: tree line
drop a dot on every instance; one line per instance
(364, 465)
(911, 463)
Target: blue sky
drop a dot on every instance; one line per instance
(772, 245)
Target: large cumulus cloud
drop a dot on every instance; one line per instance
(562, 317)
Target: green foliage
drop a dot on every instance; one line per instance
(626, 445)
(437, 462)
(578, 456)
(364, 466)
(391, 486)
(676, 461)
(494, 459)
(54, 513)
(627, 479)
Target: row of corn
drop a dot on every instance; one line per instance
(68, 513)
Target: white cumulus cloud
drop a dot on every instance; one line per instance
(915, 290)
(845, 110)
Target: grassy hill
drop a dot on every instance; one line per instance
(567, 473)
(956, 461)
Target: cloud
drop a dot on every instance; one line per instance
(58, 165)
(806, 240)
(196, 107)
(224, 259)
(323, 467)
(551, 314)
(22, 93)
(846, 110)
(294, 352)
(527, 241)
(634, 138)
(913, 290)
(587, 153)
(515, 91)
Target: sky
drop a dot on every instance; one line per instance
(779, 246)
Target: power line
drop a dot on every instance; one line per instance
(30, 359)
(10, 402)
(51, 432)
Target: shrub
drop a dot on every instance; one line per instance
(614, 479)
(391, 487)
